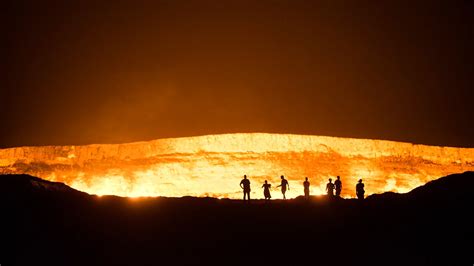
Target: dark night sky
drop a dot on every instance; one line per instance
(119, 71)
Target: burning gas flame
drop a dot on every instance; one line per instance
(213, 165)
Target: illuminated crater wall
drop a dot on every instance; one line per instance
(214, 165)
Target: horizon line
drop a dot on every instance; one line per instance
(241, 133)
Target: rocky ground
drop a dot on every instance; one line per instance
(47, 223)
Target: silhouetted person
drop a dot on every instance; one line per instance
(306, 188)
(266, 190)
(284, 184)
(338, 185)
(245, 185)
(330, 188)
(360, 190)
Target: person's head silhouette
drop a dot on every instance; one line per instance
(330, 180)
(282, 177)
(306, 179)
(245, 176)
(338, 177)
(360, 180)
(266, 182)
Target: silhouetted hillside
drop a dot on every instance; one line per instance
(448, 189)
(48, 223)
(13, 184)
(457, 185)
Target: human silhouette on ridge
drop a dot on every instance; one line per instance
(266, 190)
(360, 190)
(330, 188)
(284, 184)
(338, 185)
(245, 185)
(306, 188)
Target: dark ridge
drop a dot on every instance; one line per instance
(455, 184)
(445, 189)
(28, 183)
(48, 223)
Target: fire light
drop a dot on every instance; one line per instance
(213, 165)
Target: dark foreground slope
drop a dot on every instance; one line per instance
(46, 223)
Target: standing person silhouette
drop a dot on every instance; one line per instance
(245, 185)
(360, 190)
(284, 184)
(330, 188)
(306, 188)
(266, 190)
(338, 185)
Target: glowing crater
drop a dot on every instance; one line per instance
(213, 165)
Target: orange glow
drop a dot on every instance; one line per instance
(213, 165)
